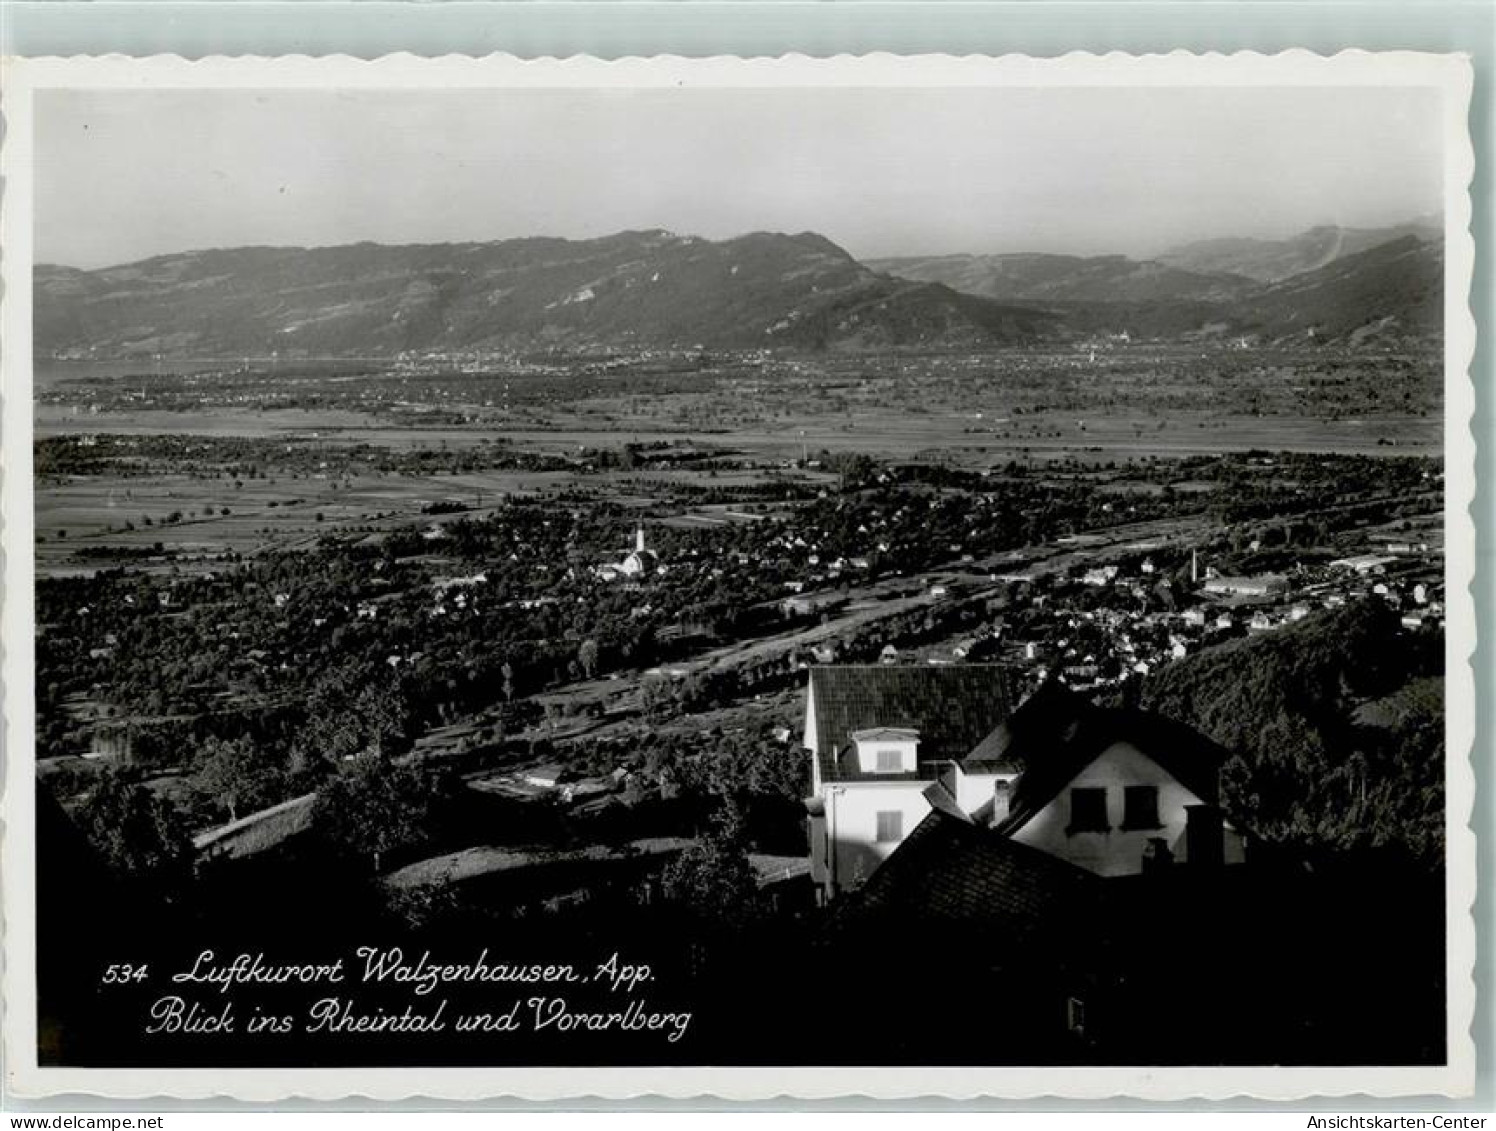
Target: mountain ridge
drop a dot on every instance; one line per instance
(1389, 289)
(1065, 278)
(1273, 260)
(646, 288)
(655, 289)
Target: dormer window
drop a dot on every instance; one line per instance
(887, 750)
(1088, 811)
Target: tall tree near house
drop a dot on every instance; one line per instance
(713, 878)
(777, 769)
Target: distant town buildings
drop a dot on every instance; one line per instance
(1364, 564)
(1262, 585)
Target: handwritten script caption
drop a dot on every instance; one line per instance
(214, 996)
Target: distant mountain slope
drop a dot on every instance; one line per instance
(1270, 261)
(1037, 277)
(1394, 289)
(634, 288)
(1390, 290)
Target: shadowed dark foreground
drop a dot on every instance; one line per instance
(1279, 964)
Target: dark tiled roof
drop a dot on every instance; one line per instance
(841, 765)
(990, 755)
(1048, 714)
(1056, 733)
(949, 871)
(953, 707)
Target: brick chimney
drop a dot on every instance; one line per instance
(1002, 800)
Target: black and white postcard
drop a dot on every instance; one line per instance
(885, 576)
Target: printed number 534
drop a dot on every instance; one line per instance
(120, 973)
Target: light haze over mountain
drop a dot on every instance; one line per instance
(126, 175)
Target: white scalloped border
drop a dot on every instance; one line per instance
(1453, 74)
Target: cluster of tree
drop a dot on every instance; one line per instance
(1152, 380)
(240, 459)
(739, 763)
(1335, 727)
(138, 834)
(772, 487)
(1312, 488)
(713, 880)
(368, 805)
(373, 805)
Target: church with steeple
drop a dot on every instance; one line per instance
(639, 562)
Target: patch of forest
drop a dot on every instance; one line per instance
(1336, 728)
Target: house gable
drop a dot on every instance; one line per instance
(1106, 817)
(1056, 734)
(1113, 792)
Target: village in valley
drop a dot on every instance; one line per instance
(898, 652)
(490, 680)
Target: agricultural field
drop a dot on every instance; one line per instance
(252, 570)
(200, 460)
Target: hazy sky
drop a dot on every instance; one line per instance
(123, 175)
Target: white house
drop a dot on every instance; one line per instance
(1114, 792)
(1101, 575)
(546, 776)
(879, 736)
